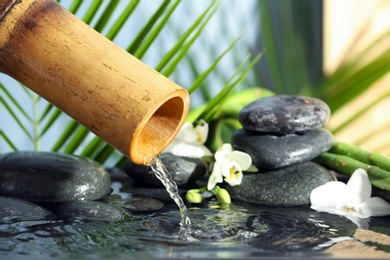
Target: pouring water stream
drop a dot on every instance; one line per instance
(163, 175)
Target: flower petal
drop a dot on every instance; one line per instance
(331, 209)
(187, 126)
(222, 152)
(327, 195)
(375, 207)
(187, 150)
(202, 130)
(243, 159)
(350, 210)
(226, 167)
(234, 178)
(189, 135)
(216, 176)
(359, 187)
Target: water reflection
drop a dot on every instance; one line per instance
(239, 231)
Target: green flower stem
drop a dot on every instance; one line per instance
(362, 155)
(346, 165)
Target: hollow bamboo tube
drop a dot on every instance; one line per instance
(116, 96)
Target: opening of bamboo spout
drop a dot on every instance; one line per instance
(157, 131)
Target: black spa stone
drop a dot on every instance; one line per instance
(184, 171)
(152, 192)
(290, 186)
(92, 210)
(142, 204)
(52, 177)
(284, 114)
(272, 152)
(14, 208)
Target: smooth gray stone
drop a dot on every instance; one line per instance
(142, 204)
(52, 177)
(92, 210)
(284, 114)
(183, 170)
(22, 210)
(272, 152)
(290, 186)
(154, 193)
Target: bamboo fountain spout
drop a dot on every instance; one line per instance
(116, 96)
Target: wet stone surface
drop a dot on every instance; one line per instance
(153, 193)
(52, 177)
(14, 208)
(92, 210)
(289, 186)
(272, 152)
(104, 228)
(142, 204)
(183, 170)
(284, 114)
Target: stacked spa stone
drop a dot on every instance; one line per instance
(282, 134)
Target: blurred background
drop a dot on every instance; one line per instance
(337, 51)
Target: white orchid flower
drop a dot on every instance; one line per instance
(228, 166)
(189, 142)
(352, 200)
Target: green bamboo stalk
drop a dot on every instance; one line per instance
(346, 165)
(372, 158)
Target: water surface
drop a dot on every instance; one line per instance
(239, 231)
